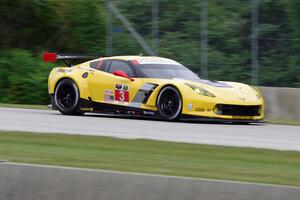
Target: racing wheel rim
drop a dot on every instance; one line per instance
(66, 96)
(169, 104)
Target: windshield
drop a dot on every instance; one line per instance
(167, 71)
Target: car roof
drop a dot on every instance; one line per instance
(127, 58)
(141, 59)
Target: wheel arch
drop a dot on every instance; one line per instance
(64, 78)
(168, 85)
(82, 85)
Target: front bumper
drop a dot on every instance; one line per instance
(229, 111)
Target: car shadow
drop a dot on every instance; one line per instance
(183, 120)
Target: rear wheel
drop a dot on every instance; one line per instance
(66, 97)
(169, 103)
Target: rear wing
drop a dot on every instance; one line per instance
(66, 58)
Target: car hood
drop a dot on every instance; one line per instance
(227, 91)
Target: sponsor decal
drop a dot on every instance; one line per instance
(200, 109)
(130, 112)
(242, 98)
(119, 86)
(109, 92)
(86, 109)
(62, 70)
(146, 112)
(125, 87)
(109, 95)
(65, 57)
(109, 98)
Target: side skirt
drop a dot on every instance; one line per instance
(92, 106)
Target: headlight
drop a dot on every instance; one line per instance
(200, 90)
(257, 92)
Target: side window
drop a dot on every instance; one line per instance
(120, 65)
(99, 65)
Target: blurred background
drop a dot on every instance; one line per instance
(251, 41)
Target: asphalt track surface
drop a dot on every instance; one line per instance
(267, 136)
(36, 182)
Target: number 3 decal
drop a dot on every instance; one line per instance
(121, 95)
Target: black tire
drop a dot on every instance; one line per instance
(67, 97)
(169, 104)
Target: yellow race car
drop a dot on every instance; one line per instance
(148, 86)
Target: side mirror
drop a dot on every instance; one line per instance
(122, 74)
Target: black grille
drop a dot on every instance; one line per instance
(236, 110)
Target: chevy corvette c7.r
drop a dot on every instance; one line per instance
(148, 86)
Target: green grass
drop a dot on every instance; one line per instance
(26, 106)
(179, 159)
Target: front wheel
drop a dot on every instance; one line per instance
(66, 97)
(169, 103)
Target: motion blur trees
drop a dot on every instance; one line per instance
(229, 37)
(68, 25)
(294, 24)
(23, 79)
(27, 28)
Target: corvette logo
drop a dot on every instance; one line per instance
(242, 98)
